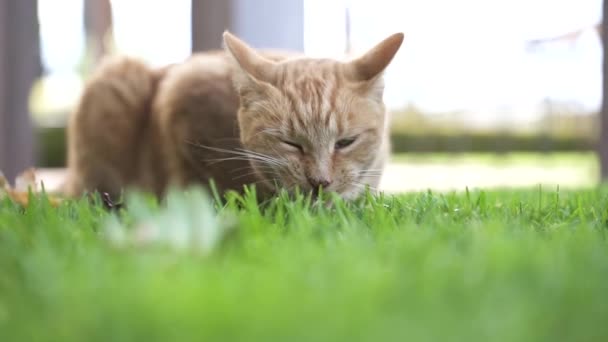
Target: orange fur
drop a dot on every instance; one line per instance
(233, 117)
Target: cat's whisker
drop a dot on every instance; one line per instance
(364, 186)
(369, 176)
(268, 171)
(211, 148)
(243, 153)
(250, 167)
(254, 153)
(220, 160)
(245, 175)
(272, 181)
(369, 171)
(262, 167)
(374, 174)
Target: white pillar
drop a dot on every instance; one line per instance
(261, 23)
(270, 23)
(19, 67)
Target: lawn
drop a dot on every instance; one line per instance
(516, 265)
(456, 171)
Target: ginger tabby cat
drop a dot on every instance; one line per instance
(276, 120)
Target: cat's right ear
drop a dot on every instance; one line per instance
(250, 62)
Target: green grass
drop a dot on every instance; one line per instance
(520, 265)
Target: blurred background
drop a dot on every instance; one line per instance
(484, 93)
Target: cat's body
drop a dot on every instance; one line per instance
(236, 123)
(140, 127)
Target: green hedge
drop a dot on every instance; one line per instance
(51, 146)
(52, 142)
(487, 143)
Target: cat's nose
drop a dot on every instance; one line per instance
(319, 182)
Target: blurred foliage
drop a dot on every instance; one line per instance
(562, 127)
(558, 120)
(51, 146)
(487, 142)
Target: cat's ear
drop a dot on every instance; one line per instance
(249, 61)
(371, 65)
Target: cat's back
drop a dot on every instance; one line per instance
(204, 74)
(105, 129)
(195, 111)
(196, 101)
(200, 80)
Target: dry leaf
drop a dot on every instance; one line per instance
(24, 183)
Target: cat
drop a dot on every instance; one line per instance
(273, 119)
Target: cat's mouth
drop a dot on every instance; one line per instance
(294, 188)
(342, 190)
(277, 180)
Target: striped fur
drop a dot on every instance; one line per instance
(233, 117)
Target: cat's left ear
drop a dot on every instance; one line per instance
(371, 65)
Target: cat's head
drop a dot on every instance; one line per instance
(312, 123)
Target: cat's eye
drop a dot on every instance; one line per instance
(293, 145)
(344, 143)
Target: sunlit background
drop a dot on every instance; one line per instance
(482, 93)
